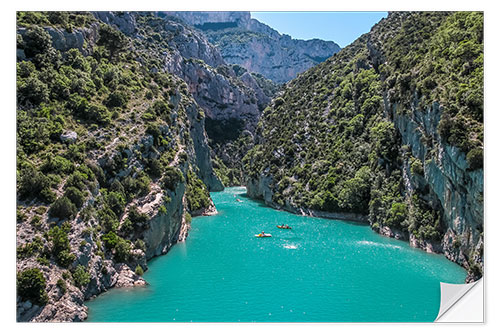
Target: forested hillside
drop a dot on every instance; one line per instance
(388, 130)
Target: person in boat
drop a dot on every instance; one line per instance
(282, 225)
(262, 233)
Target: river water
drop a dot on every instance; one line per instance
(320, 271)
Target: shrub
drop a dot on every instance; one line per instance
(62, 208)
(116, 202)
(136, 217)
(139, 271)
(43, 261)
(142, 184)
(75, 195)
(196, 193)
(35, 184)
(62, 285)
(77, 179)
(110, 239)
(61, 18)
(154, 168)
(36, 221)
(139, 244)
(36, 41)
(57, 164)
(32, 90)
(31, 285)
(60, 246)
(160, 107)
(80, 276)
(108, 219)
(162, 210)
(116, 186)
(475, 158)
(126, 227)
(154, 130)
(416, 167)
(122, 250)
(397, 214)
(98, 113)
(117, 99)
(171, 178)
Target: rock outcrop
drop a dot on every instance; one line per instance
(82, 39)
(123, 21)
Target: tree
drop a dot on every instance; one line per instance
(75, 195)
(80, 276)
(62, 208)
(475, 158)
(171, 178)
(31, 285)
(112, 39)
(60, 246)
(122, 250)
(36, 41)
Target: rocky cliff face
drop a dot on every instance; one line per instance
(187, 53)
(451, 185)
(257, 47)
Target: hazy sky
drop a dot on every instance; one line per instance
(340, 27)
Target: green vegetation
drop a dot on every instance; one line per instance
(172, 177)
(31, 285)
(62, 285)
(112, 39)
(138, 270)
(62, 208)
(66, 20)
(60, 248)
(439, 56)
(112, 96)
(80, 276)
(197, 195)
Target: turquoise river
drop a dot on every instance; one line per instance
(320, 271)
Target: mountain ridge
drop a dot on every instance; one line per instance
(256, 46)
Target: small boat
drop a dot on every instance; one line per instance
(239, 200)
(263, 235)
(284, 227)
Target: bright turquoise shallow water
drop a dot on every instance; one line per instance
(322, 270)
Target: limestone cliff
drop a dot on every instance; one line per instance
(257, 47)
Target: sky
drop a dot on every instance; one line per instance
(341, 27)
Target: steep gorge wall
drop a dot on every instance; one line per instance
(457, 189)
(376, 96)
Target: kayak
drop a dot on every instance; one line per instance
(287, 227)
(265, 235)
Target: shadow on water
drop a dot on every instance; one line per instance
(261, 203)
